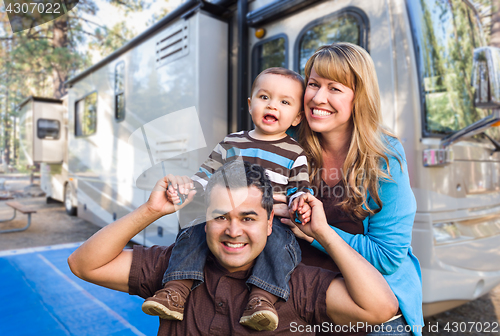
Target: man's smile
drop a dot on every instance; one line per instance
(234, 246)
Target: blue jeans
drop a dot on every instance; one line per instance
(397, 327)
(271, 271)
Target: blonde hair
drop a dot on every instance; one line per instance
(353, 67)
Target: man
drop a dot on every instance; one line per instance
(239, 219)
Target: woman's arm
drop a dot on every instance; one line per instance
(388, 236)
(362, 295)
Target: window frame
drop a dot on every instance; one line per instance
(255, 55)
(76, 116)
(356, 12)
(420, 74)
(116, 94)
(38, 129)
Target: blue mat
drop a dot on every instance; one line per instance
(40, 296)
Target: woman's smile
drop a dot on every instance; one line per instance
(316, 112)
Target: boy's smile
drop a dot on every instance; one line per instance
(275, 105)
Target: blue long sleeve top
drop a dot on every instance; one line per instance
(387, 238)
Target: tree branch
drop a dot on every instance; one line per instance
(88, 21)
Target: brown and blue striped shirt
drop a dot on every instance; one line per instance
(284, 161)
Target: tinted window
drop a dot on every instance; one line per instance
(48, 129)
(446, 33)
(86, 115)
(270, 53)
(120, 91)
(345, 27)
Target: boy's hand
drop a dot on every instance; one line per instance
(160, 201)
(178, 188)
(318, 225)
(301, 210)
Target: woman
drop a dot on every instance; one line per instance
(360, 173)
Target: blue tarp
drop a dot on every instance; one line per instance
(40, 296)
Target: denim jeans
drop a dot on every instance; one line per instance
(397, 327)
(271, 271)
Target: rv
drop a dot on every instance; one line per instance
(42, 135)
(162, 102)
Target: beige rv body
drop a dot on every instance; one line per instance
(456, 235)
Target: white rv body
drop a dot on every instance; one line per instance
(41, 134)
(456, 234)
(102, 164)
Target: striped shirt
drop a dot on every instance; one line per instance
(284, 161)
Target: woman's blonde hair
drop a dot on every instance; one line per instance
(353, 67)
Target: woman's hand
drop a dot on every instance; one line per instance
(318, 225)
(160, 202)
(281, 210)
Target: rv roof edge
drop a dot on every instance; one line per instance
(137, 40)
(276, 9)
(40, 99)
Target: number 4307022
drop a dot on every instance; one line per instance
(40, 8)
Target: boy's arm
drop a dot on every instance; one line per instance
(363, 295)
(214, 161)
(298, 185)
(298, 179)
(102, 260)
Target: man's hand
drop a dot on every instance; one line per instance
(164, 198)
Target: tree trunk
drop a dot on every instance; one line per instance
(6, 151)
(60, 40)
(495, 24)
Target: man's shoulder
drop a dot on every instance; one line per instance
(148, 266)
(305, 275)
(314, 271)
(308, 287)
(154, 250)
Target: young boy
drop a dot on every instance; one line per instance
(275, 105)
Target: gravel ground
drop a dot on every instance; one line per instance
(478, 317)
(51, 225)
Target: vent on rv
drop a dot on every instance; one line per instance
(172, 44)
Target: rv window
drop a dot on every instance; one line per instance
(446, 33)
(346, 27)
(269, 53)
(48, 129)
(86, 115)
(120, 91)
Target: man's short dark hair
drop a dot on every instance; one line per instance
(239, 174)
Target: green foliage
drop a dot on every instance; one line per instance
(111, 39)
(37, 62)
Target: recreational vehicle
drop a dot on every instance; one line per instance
(42, 136)
(162, 102)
